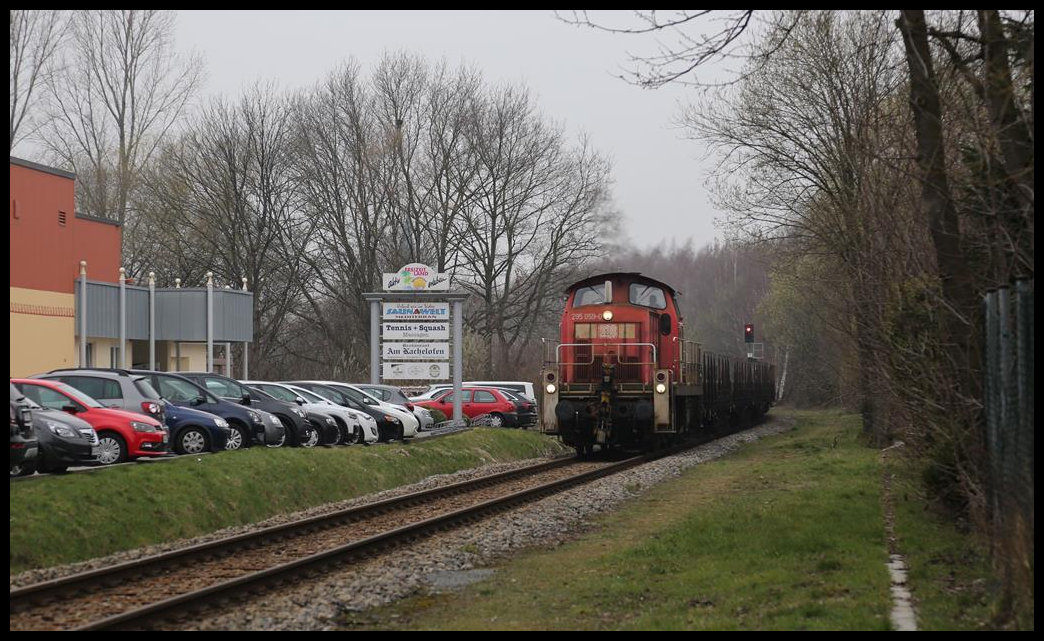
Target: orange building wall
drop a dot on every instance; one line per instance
(46, 255)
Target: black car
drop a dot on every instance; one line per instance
(387, 425)
(248, 427)
(525, 408)
(325, 424)
(64, 441)
(24, 445)
(299, 430)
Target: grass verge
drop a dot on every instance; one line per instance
(75, 517)
(949, 570)
(785, 534)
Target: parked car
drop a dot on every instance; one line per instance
(349, 421)
(117, 388)
(394, 395)
(389, 425)
(370, 433)
(330, 432)
(64, 441)
(122, 435)
(299, 431)
(247, 426)
(527, 412)
(193, 431)
(525, 388)
(478, 401)
(410, 424)
(24, 444)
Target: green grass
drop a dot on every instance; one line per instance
(786, 534)
(950, 570)
(62, 519)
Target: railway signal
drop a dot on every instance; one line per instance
(748, 333)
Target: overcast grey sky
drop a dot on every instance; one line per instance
(570, 70)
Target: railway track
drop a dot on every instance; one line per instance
(161, 589)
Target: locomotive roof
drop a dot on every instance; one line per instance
(632, 276)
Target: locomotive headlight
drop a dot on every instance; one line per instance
(660, 388)
(607, 315)
(551, 389)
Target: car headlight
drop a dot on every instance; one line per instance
(142, 427)
(220, 422)
(61, 430)
(390, 418)
(298, 411)
(254, 416)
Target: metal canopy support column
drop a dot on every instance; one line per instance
(123, 318)
(83, 314)
(246, 359)
(210, 322)
(152, 321)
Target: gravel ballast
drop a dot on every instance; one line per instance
(444, 562)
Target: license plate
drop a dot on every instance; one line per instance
(95, 450)
(164, 437)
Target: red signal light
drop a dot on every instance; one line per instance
(748, 333)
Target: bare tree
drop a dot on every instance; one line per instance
(120, 90)
(540, 209)
(35, 37)
(224, 199)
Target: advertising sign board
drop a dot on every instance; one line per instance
(415, 351)
(416, 277)
(415, 371)
(416, 311)
(416, 331)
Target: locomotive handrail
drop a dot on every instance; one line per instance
(558, 352)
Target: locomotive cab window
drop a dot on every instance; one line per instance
(594, 295)
(647, 296)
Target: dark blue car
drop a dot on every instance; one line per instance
(246, 425)
(193, 431)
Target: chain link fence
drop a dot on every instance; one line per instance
(1009, 433)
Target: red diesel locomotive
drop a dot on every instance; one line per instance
(623, 376)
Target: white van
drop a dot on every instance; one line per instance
(522, 387)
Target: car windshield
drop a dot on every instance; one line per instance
(259, 393)
(311, 397)
(145, 389)
(180, 391)
(76, 394)
(358, 396)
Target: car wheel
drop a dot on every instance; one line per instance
(23, 469)
(112, 449)
(310, 438)
(496, 420)
(280, 442)
(191, 441)
(354, 435)
(237, 439)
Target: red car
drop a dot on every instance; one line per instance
(477, 401)
(122, 435)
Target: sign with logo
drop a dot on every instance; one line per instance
(416, 311)
(415, 371)
(415, 351)
(416, 277)
(415, 331)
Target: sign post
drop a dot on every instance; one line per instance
(410, 329)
